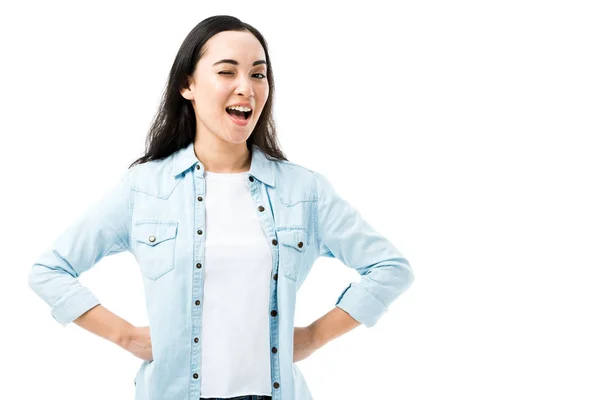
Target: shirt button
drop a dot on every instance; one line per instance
(197, 167)
(199, 232)
(196, 340)
(274, 350)
(197, 302)
(198, 265)
(274, 241)
(195, 376)
(276, 385)
(251, 179)
(274, 313)
(275, 276)
(261, 208)
(199, 198)
(151, 239)
(300, 244)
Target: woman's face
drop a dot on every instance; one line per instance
(232, 71)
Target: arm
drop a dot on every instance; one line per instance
(113, 328)
(102, 322)
(384, 273)
(102, 230)
(331, 325)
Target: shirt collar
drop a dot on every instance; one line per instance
(260, 166)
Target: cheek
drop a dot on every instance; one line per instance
(214, 94)
(265, 88)
(262, 93)
(221, 91)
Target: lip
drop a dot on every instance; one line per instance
(242, 105)
(239, 122)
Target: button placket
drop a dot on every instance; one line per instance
(260, 195)
(197, 289)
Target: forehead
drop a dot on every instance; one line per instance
(243, 47)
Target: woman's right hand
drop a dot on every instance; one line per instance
(139, 342)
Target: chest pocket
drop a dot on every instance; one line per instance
(292, 247)
(155, 247)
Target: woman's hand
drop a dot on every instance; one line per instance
(305, 343)
(139, 342)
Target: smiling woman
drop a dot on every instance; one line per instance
(224, 230)
(219, 95)
(228, 93)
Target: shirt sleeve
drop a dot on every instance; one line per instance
(102, 230)
(342, 233)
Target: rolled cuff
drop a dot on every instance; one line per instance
(361, 305)
(73, 305)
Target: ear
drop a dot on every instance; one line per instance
(187, 92)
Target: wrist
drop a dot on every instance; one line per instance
(319, 338)
(124, 335)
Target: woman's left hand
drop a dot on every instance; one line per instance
(305, 343)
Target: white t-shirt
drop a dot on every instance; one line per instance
(236, 349)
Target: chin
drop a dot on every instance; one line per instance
(237, 139)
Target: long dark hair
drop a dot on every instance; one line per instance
(174, 125)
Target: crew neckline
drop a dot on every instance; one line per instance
(225, 174)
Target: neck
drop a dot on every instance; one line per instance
(222, 157)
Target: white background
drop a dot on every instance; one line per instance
(464, 131)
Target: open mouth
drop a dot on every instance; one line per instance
(237, 114)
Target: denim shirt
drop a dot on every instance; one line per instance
(157, 213)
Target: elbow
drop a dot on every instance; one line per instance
(33, 279)
(39, 276)
(409, 273)
(405, 276)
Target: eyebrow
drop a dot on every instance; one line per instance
(229, 61)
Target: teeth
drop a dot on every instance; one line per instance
(240, 108)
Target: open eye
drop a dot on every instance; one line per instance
(263, 76)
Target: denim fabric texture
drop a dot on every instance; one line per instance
(157, 213)
(250, 397)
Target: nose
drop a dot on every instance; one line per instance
(244, 87)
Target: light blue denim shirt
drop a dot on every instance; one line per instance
(157, 213)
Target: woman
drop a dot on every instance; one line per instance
(225, 231)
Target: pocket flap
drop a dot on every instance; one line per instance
(155, 232)
(296, 238)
